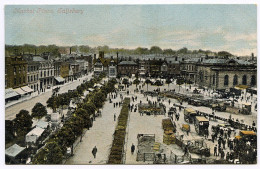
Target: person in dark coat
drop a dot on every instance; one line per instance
(132, 148)
(215, 150)
(114, 117)
(94, 151)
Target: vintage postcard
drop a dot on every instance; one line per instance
(130, 84)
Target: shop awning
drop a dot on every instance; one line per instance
(20, 91)
(27, 89)
(9, 93)
(59, 79)
(241, 87)
(14, 150)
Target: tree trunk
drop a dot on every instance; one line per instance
(72, 150)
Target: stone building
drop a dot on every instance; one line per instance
(189, 68)
(225, 73)
(15, 71)
(173, 67)
(127, 68)
(33, 75)
(46, 72)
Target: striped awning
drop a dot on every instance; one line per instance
(20, 91)
(27, 89)
(9, 93)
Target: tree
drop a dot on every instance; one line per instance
(85, 116)
(155, 50)
(224, 53)
(50, 154)
(39, 110)
(125, 82)
(23, 122)
(9, 130)
(183, 50)
(179, 82)
(136, 82)
(52, 103)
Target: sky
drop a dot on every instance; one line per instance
(231, 28)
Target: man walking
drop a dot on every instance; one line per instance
(94, 151)
(132, 148)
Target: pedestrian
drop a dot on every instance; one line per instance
(222, 154)
(253, 124)
(224, 143)
(186, 150)
(132, 148)
(94, 151)
(114, 117)
(215, 150)
(227, 156)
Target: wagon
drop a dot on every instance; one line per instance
(189, 115)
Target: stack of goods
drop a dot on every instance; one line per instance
(186, 127)
(168, 136)
(156, 146)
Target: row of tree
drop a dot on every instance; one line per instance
(57, 145)
(58, 50)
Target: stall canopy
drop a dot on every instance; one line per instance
(241, 87)
(20, 91)
(42, 124)
(14, 150)
(34, 134)
(27, 89)
(9, 93)
(59, 79)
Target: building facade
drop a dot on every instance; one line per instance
(127, 68)
(223, 74)
(15, 71)
(46, 72)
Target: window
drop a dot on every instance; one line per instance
(41, 74)
(244, 80)
(37, 77)
(226, 80)
(44, 74)
(235, 82)
(28, 79)
(253, 80)
(31, 78)
(213, 80)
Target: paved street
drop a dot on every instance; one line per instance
(11, 111)
(100, 135)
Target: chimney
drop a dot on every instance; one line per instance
(70, 50)
(237, 58)
(252, 56)
(176, 59)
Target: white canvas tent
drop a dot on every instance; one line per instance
(34, 135)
